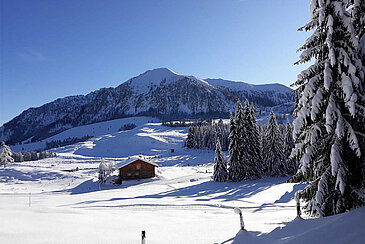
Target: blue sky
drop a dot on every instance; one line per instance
(52, 49)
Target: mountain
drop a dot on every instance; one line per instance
(160, 92)
(263, 95)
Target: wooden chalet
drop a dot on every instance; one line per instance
(136, 168)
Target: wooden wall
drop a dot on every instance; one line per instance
(137, 170)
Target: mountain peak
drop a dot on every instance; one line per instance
(144, 82)
(161, 72)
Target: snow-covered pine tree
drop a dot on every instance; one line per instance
(357, 10)
(27, 156)
(189, 143)
(5, 155)
(261, 133)
(235, 167)
(111, 168)
(220, 165)
(18, 157)
(256, 140)
(198, 137)
(273, 149)
(103, 170)
(288, 147)
(33, 156)
(331, 104)
(249, 147)
(218, 128)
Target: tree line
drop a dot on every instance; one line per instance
(31, 156)
(66, 142)
(203, 136)
(8, 157)
(254, 151)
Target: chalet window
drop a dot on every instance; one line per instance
(138, 166)
(129, 174)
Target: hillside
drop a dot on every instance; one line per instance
(181, 205)
(160, 92)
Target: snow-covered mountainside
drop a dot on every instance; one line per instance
(263, 95)
(159, 92)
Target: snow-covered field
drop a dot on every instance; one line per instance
(44, 202)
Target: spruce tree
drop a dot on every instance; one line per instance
(256, 140)
(249, 149)
(5, 155)
(235, 169)
(287, 148)
(220, 165)
(273, 149)
(27, 156)
(190, 138)
(331, 107)
(357, 10)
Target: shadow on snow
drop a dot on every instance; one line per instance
(290, 195)
(225, 191)
(93, 186)
(9, 174)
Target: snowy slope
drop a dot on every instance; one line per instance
(95, 130)
(342, 228)
(181, 205)
(160, 92)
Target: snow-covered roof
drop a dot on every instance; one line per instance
(132, 160)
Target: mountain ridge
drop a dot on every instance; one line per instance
(160, 92)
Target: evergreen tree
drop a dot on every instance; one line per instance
(103, 170)
(42, 155)
(219, 131)
(357, 10)
(224, 132)
(331, 107)
(235, 167)
(220, 165)
(273, 149)
(110, 169)
(287, 148)
(190, 139)
(34, 156)
(204, 136)
(256, 140)
(249, 148)
(18, 157)
(27, 156)
(5, 155)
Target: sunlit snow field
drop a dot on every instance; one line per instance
(44, 202)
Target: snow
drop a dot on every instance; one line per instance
(342, 228)
(181, 205)
(327, 76)
(239, 86)
(95, 130)
(131, 160)
(151, 78)
(144, 82)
